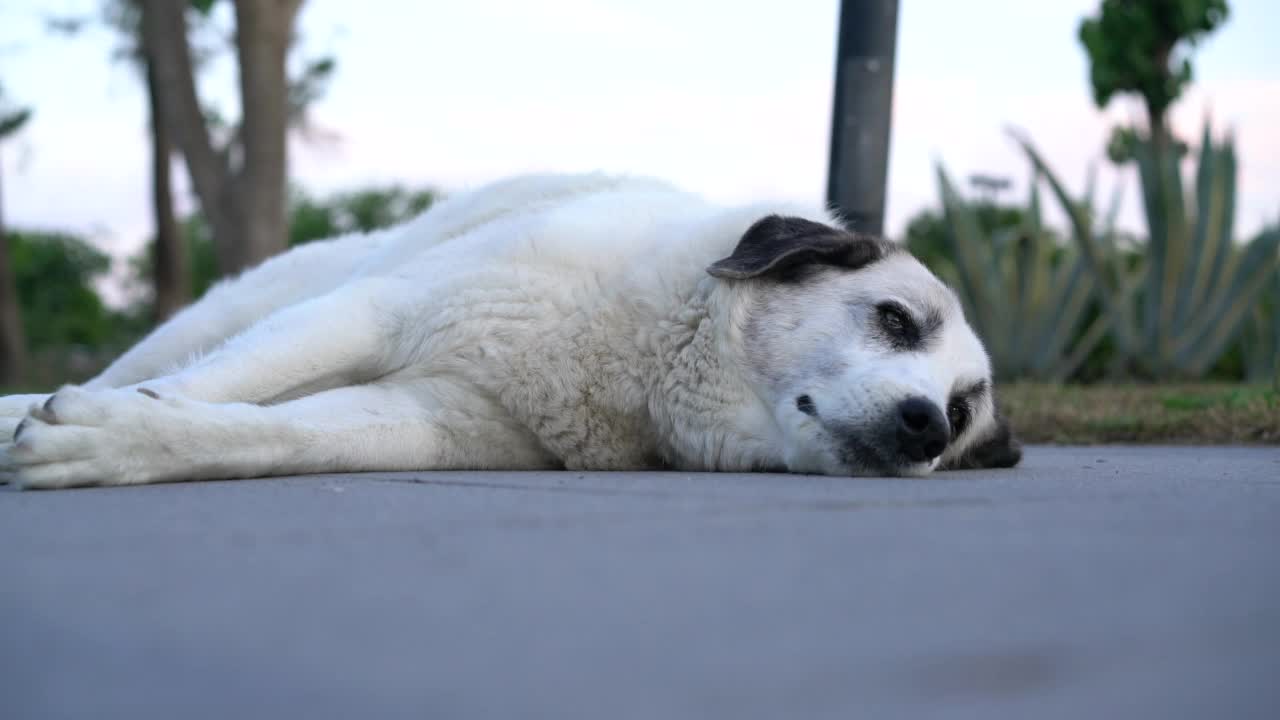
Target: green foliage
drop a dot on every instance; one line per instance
(310, 219)
(927, 236)
(54, 274)
(12, 117)
(1260, 341)
(1123, 144)
(1027, 295)
(1133, 47)
(307, 87)
(367, 210)
(12, 122)
(204, 7)
(1177, 313)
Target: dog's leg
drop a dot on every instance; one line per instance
(291, 349)
(234, 304)
(120, 437)
(345, 337)
(341, 338)
(325, 342)
(225, 310)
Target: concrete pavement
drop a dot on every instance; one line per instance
(1090, 582)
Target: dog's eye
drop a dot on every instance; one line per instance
(958, 416)
(897, 323)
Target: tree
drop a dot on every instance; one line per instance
(13, 349)
(1140, 46)
(169, 265)
(241, 186)
(170, 274)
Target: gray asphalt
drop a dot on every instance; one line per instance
(1090, 582)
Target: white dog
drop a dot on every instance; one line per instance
(581, 322)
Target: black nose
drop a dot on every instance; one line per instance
(923, 431)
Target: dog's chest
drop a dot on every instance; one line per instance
(583, 399)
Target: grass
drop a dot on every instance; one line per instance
(1181, 414)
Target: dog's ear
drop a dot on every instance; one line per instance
(777, 244)
(1000, 450)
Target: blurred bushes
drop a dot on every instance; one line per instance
(55, 274)
(70, 331)
(310, 219)
(1027, 293)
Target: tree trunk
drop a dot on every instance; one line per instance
(164, 37)
(171, 275)
(263, 29)
(245, 207)
(13, 346)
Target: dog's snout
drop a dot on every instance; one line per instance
(923, 431)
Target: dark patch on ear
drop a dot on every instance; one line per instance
(1001, 450)
(777, 246)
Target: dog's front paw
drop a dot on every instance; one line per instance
(12, 409)
(78, 437)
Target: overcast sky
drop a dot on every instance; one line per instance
(730, 98)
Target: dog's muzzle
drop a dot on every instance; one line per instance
(922, 430)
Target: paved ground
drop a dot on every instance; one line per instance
(1134, 583)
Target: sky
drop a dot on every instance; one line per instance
(729, 98)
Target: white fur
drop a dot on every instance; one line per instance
(541, 322)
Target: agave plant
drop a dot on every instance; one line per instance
(1176, 313)
(1026, 295)
(1261, 338)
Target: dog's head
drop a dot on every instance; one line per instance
(863, 355)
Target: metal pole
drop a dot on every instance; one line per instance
(861, 112)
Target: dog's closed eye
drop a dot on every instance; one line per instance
(897, 325)
(958, 415)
